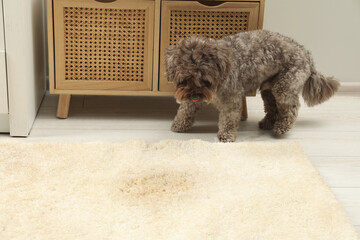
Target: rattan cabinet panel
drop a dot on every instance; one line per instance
(186, 18)
(102, 45)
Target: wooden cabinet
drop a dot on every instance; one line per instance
(116, 47)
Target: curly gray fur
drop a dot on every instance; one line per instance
(223, 71)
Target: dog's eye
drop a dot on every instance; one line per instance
(182, 84)
(206, 83)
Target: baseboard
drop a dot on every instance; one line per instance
(350, 87)
(4, 123)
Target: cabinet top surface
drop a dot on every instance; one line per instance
(215, 0)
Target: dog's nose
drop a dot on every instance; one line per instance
(195, 97)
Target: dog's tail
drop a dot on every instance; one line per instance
(318, 88)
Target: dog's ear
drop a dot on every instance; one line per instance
(169, 62)
(223, 60)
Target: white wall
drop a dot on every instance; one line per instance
(330, 29)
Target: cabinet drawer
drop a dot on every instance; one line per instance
(103, 45)
(182, 19)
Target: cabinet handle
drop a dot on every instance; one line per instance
(211, 3)
(105, 1)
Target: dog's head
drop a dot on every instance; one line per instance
(196, 66)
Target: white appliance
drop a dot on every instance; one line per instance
(22, 64)
(4, 107)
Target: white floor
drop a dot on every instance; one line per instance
(329, 133)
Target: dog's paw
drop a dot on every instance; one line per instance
(226, 137)
(281, 127)
(181, 126)
(266, 124)
(279, 131)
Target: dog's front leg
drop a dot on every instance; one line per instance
(185, 116)
(228, 124)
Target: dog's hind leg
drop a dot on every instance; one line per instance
(185, 116)
(286, 90)
(270, 108)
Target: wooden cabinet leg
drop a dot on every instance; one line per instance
(244, 113)
(63, 106)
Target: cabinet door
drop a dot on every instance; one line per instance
(181, 19)
(103, 45)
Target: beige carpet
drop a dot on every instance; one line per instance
(166, 190)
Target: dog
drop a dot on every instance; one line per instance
(223, 71)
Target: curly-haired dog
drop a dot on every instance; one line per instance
(223, 71)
